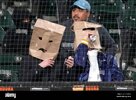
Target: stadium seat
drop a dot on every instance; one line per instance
(9, 73)
(130, 74)
(9, 66)
(128, 19)
(6, 21)
(10, 58)
(130, 3)
(134, 76)
(108, 6)
(2, 34)
(21, 3)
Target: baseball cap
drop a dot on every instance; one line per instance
(83, 4)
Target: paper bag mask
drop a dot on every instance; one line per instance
(46, 39)
(85, 29)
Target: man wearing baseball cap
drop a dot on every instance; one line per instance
(80, 11)
(83, 4)
(83, 7)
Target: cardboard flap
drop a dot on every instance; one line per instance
(47, 25)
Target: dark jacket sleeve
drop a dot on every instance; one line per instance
(108, 44)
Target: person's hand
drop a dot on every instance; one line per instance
(47, 63)
(69, 62)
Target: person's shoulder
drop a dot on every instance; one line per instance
(95, 22)
(67, 22)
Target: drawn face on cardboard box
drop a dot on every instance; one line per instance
(46, 39)
(87, 32)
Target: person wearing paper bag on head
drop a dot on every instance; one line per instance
(90, 44)
(98, 65)
(81, 11)
(43, 51)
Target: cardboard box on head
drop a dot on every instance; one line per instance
(88, 33)
(46, 39)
